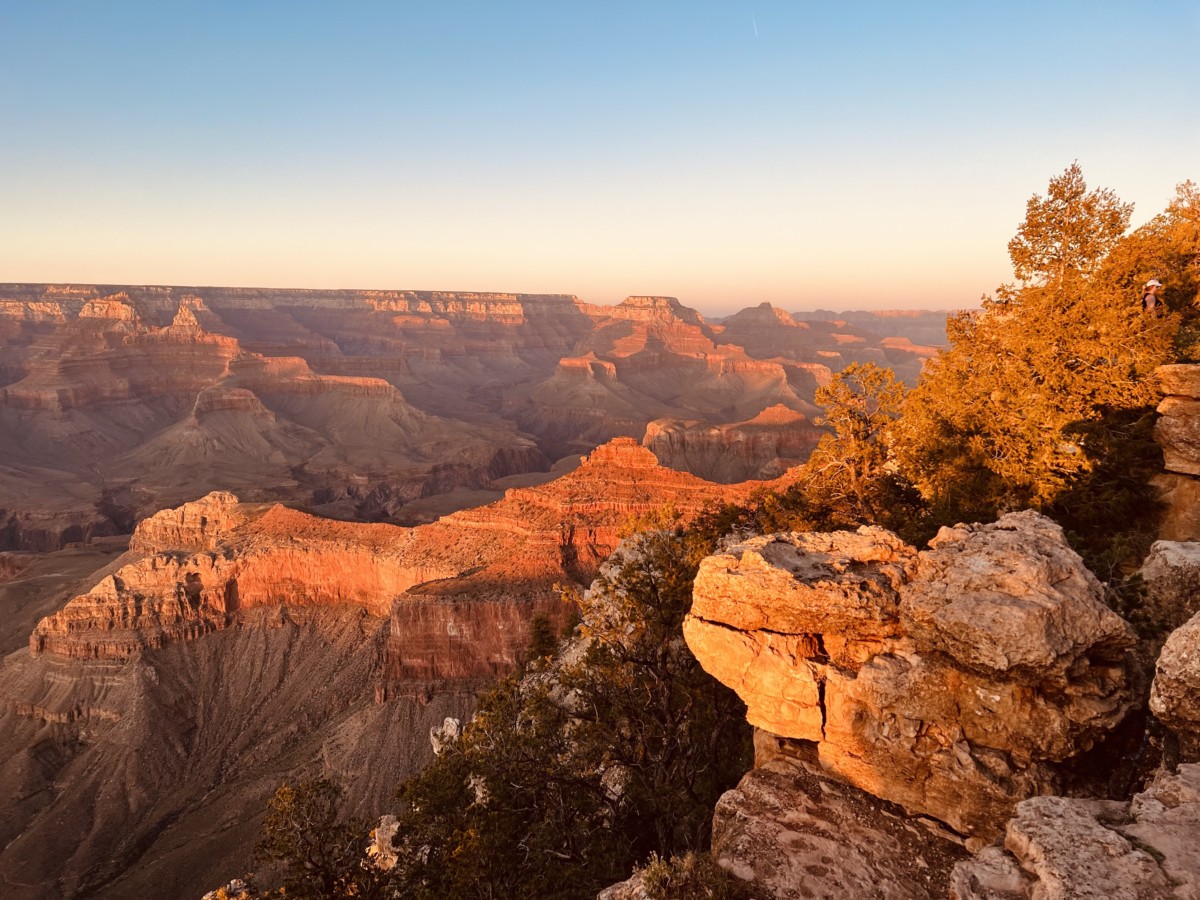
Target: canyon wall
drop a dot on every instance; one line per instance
(235, 645)
(117, 401)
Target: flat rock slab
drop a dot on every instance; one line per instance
(797, 834)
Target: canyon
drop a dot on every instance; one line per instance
(117, 401)
(235, 645)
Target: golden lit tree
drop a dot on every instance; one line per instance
(1024, 407)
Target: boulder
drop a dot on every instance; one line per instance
(793, 832)
(950, 681)
(1057, 848)
(1175, 693)
(1171, 576)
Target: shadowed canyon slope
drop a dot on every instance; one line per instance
(238, 644)
(118, 401)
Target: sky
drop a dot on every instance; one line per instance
(847, 155)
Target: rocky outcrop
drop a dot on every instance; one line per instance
(950, 681)
(1057, 848)
(1170, 578)
(794, 832)
(1178, 428)
(1177, 431)
(190, 569)
(460, 591)
(1175, 692)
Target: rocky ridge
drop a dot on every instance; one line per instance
(238, 643)
(117, 401)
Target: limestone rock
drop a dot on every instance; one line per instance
(1012, 599)
(797, 834)
(949, 681)
(1057, 848)
(1171, 575)
(1175, 693)
(1178, 427)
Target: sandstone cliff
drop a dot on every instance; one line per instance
(1177, 431)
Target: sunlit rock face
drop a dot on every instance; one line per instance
(949, 681)
(465, 582)
(1177, 432)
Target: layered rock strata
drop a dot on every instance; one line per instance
(117, 401)
(766, 446)
(1177, 431)
(1057, 848)
(458, 591)
(950, 681)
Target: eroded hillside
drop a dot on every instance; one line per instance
(118, 401)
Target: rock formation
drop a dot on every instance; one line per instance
(765, 446)
(1175, 692)
(950, 681)
(1170, 577)
(118, 401)
(794, 832)
(1177, 431)
(235, 644)
(1057, 848)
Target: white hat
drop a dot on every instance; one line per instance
(1153, 282)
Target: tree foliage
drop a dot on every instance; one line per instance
(569, 775)
(321, 853)
(1045, 383)
(1069, 231)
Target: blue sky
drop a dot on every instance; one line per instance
(869, 154)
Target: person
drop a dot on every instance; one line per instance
(1151, 302)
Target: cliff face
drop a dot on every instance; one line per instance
(1177, 431)
(131, 399)
(238, 643)
(766, 446)
(950, 681)
(135, 415)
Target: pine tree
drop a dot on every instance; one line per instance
(1037, 387)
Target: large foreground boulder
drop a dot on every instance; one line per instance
(951, 681)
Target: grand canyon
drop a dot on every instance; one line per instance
(254, 537)
(348, 508)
